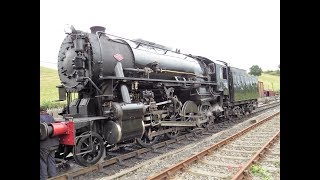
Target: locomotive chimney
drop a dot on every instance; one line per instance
(94, 29)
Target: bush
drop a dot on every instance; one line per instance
(255, 70)
(52, 104)
(276, 72)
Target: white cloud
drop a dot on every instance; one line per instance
(242, 33)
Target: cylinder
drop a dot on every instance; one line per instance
(44, 131)
(129, 126)
(59, 128)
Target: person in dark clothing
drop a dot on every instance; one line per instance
(47, 149)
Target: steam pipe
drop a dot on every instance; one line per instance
(124, 89)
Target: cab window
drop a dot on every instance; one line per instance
(223, 73)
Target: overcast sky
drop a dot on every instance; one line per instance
(242, 33)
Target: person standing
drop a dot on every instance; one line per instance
(47, 149)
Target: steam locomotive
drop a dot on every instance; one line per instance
(121, 91)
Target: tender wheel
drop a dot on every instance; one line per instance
(250, 108)
(94, 153)
(146, 141)
(237, 112)
(173, 134)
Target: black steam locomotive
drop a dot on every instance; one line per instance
(120, 91)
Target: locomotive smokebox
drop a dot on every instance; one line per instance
(94, 29)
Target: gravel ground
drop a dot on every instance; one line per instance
(270, 164)
(152, 166)
(229, 168)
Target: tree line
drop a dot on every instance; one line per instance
(255, 70)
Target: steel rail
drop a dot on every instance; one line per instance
(243, 172)
(166, 174)
(136, 153)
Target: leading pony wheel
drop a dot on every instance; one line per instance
(88, 151)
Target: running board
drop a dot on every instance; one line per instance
(178, 123)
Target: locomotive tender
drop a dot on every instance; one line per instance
(136, 91)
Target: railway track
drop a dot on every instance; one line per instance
(141, 153)
(268, 166)
(230, 158)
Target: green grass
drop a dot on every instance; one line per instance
(259, 171)
(276, 72)
(49, 79)
(270, 81)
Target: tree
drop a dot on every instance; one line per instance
(255, 70)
